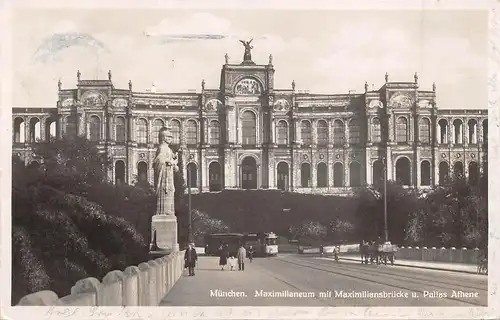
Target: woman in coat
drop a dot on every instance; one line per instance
(223, 255)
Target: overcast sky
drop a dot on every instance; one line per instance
(323, 51)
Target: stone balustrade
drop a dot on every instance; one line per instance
(143, 285)
(453, 255)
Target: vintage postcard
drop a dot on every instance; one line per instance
(288, 160)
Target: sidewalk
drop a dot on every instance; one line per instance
(432, 265)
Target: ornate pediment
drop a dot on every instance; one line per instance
(375, 104)
(120, 102)
(213, 105)
(248, 86)
(424, 104)
(94, 99)
(281, 105)
(68, 102)
(400, 100)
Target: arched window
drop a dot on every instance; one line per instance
(472, 136)
(376, 130)
(50, 129)
(191, 132)
(425, 173)
(34, 129)
(305, 132)
(305, 175)
(443, 172)
(443, 131)
(19, 131)
(282, 174)
(175, 129)
(119, 172)
(142, 171)
(282, 133)
(424, 126)
(402, 130)
(121, 133)
(322, 131)
(458, 131)
(378, 173)
(95, 129)
(70, 128)
(338, 175)
(473, 173)
(192, 174)
(249, 128)
(458, 170)
(141, 130)
(214, 132)
(355, 174)
(485, 131)
(403, 171)
(215, 177)
(338, 133)
(322, 175)
(354, 132)
(157, 125)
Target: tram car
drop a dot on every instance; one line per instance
(264, 244)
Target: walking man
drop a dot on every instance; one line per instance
(242, 253)
(190, 258)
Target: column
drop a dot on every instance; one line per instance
(438, 133)
(43, 123)
(450, 133)
(418, 168)
(27, 130)
(130, 128)
(205, 138)
(298, 135)
(346, 168)
(203, 171)
(330, 132)
(369, 129)
(368, 167)
(314, 173)
(182, 133)
(273, 130)
(59, 127)
(149, 139)
(411, 125)
(109, 134)
(388, 159)
(346, 132)
(81, 123)
(330, 162)
(390, 125)
(314, 129)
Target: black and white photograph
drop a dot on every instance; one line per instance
(246, 157)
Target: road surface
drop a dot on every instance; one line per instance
(298, 280)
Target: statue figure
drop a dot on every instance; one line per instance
(386, 77)
(203, 84)
(270, 59)
(109, 75)
(78, 74)
(248, 50)
(165, 165)
(130, 85)
(59, 84)
(293, 85)
(366, 86)
(433, 86)
(227, 58)
(416, 77)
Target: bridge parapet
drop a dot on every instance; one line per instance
(143, 285)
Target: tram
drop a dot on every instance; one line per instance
(264, 244)
(215, 240)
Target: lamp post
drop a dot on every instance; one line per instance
(386, 230)
(190, 231)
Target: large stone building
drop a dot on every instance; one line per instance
(248, 134)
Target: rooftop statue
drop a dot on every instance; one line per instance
(248, 50)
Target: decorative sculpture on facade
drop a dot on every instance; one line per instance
(247, 56)
(130, 85)
(95, 99)
(165, 166)
(281, 105)
(59, 84)
(386, 77)
(270, 59)
(203, 85)
(248, 86)
(293, 85)
(213, 105)
(78, 74)
(415, 77)
(109, 75)
(226, 57)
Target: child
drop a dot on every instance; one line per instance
(232, 262)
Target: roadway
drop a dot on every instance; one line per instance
(303, 280)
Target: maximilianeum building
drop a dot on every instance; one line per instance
(246, 134)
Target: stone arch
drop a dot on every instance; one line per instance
(322, 132)
(214, 132)
(249, 172)
(305, 175)
(403, 171)
(120, 129)
(155, 130)
(191, 132)
(338, 132)
(94, 128)
(378, 172)
(35, 129)
(338, 174)
(141, 130)
(322, 175)
(306, 132)
(142, 171)
(457, 131)
(238, 84)
(175, 130)
(473, 173)
(458, 170)
(425, 173)
(376, 130)
(355, 174)
(282, 132)
(215, 176)
(424, 128)
(248, 127)
(192, 175)
(472, 131)
(50, 129)
(19, 130)
(119, 172)
(442, 135)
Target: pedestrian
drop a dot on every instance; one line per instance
(232, 262)
(223, 254)
(250, 253)
(242, 253)
(190, 258)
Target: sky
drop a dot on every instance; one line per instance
(323, 51)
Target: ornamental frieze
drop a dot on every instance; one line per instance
(248, 86)
(120, 102)
(68, 102)
(323, 104)
(94, 99)
(375, 104)
(400, 100)
(281, 105)
(424, 104)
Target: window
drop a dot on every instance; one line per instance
(322, 131)
(338, 133)
(282, 133)
(425, 130)
(95, 128)
(354, 132)
(141, 131)
(402, 130)
(120, 129)
(214, 132)
(376, 130)
(191, 132)
(248, 127)
(305, 132)
(71, 129)
(157, 125)
(175, 130)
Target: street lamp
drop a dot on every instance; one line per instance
(190, 231)
(386, 231)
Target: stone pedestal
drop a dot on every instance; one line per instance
(166, 232)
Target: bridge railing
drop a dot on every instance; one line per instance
(143, 285)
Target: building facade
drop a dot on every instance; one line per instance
(249, 135)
